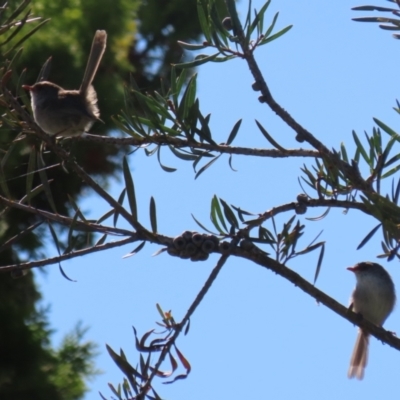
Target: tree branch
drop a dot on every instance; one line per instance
(350, 171)
(192, 144)
(78, 253)
(260, 258)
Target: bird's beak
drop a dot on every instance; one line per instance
(352, 269)
(27, 87)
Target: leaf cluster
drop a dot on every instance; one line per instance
(385, 23)
(136, 383)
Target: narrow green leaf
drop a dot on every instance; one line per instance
(371, 151)
(14, 14)
(310, 176)
(310, 248)
(45, 70)
(76, 208)
(199, 60)
(276, 36)
(182, 154)
(164, 167)
(254, 24)
(159, 251)
(397, 109)
(260, 16)
(187, 99)
(322, 216)
(386, 129)
(371, 8)
(101, 240)
(369, 19)
(203, 19)
(121, 199)
(65, 275)
(230, 216)
(187, 328)
(115, 391)
(153, 215)
(242, 212)
(269, 137)
(361, 149)
(174, 88)
(234, 132)
(179, 82)
(247, 26)
(265, 235)
(126, 388)
(368, 237)
(160, 311)
(71, 238)
(385, 248)
(223, 59)
(377, 137)
(344, 152)
(396, 193)
(191, 46)
(45, 182)
(357, 156)
(26, 199)
(202, 169)
(16, 28)
(27, 36)
(17, 238)
(386, 152)
(248, 16)
(319, 263)
(205, 132)
(55, 239)
(105, 216)
(272, 25)
(216, 215)
(308, 183)
(149, 153)
(189, 96)
(130, 189)
(287, 225)
(230, 163)
(122, 127)
(390, 172)
(3, 183)
(216, 23)
(133, 252)
(123, 364)
(202, 226)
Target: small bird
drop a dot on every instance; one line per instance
(374, 298)
(61, 112)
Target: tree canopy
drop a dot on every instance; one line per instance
(32, 32)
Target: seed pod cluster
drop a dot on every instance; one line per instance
(227, 23)
(193, 245)
(301, 205)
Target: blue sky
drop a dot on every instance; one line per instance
(255, 335)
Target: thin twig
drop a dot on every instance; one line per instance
(77, 253)
(179, 327)
(183, 143)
